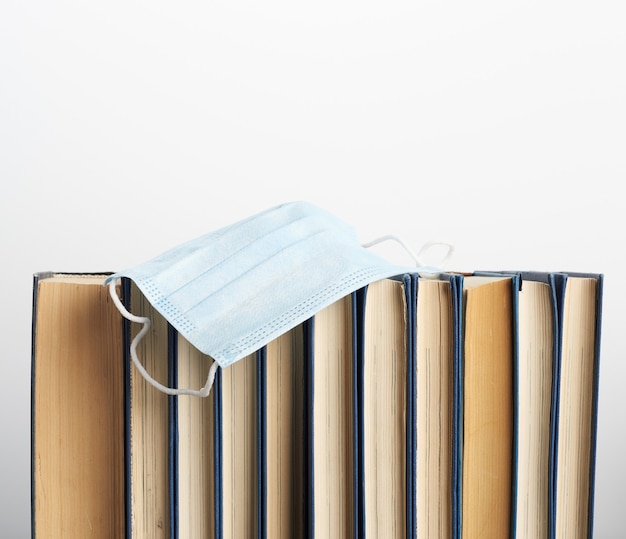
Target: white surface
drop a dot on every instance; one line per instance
(128, 127)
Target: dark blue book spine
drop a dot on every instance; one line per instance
(172, 401)
(410, 290)
(456, 285)
(308, 328)
(356, 410)
(516, 283)
(457, 490)
(261, 365)
(559, 281)
(126, 338)
(359, 494)
(217, 450)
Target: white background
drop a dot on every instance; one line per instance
(128, 127)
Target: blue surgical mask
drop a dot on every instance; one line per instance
(233, 290)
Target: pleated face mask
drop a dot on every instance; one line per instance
(232, 291)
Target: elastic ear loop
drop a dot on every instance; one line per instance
(424, 270)
(203, 392)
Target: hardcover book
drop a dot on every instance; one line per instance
(448, 406)
(77, 409)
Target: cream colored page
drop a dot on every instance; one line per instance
(149, 428)
(333, 421)
(434, 400)
(286, 451)
(535, 362)
(196, 465)
(239, 449)
(575, 408)
(385, 410)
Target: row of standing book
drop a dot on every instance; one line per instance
(462, 405)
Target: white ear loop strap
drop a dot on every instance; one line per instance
(203, 392)
(427, 271)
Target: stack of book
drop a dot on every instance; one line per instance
(461, 405)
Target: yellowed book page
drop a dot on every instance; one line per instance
(196, 459)
(488, 409)
(575, 408)
(434, 408)
(384, 408)
(286, 451)
(239, 448)
(149, 438)
(535, 362)
(78, 406)
(333, 421)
